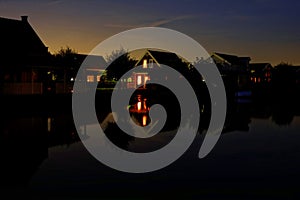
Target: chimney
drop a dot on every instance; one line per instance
(24, 18)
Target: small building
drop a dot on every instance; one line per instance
(93, 67)
(151, 60)
(261, 73)
(234, 69)
(68, 66)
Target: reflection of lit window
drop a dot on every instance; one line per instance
(144, 104)
(129, 80)
(98, 78)
(90, 78)
(139, 105)
(144, 120)
(139, 80)
(145, 63)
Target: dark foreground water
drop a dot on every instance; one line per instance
(257, 157)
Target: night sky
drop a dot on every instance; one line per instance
(265, 30)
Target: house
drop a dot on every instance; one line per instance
(25, 60)
(227, 62)
(260, 73)
(234, 69)
(94, 67)
(66, 69)
(27, 67)
(150, 60)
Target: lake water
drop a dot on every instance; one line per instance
(257, 157)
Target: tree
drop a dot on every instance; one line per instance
(119, 63)
(284, 76)
(66, 56)
(115, 54)
(67, 60)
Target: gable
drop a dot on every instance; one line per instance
(18, 35)
(159, 57)
(19, 40)
(147, 56)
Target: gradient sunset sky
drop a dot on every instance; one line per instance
(265, 30)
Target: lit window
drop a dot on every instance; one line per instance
(90, 78)
(150, 63)
(129, 80)
(139, 80)
(146, 79)
(98, 78)
(145, 63)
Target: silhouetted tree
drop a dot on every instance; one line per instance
(119, 63)
(115, 54)
(66, 58)
(284, 76)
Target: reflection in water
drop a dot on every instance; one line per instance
(49, 124)
(23, 146)
(25, 140)
(24, 143)
(284, 108)
(139, 110)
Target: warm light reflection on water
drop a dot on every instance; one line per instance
(139, 110)
(259, 148)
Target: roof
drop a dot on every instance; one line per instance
(259, 66)
(231, 59)
(93, 61)
(19, 40)
(160, 57)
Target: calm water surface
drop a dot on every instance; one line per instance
(257, 157)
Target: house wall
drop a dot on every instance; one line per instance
(22, 88)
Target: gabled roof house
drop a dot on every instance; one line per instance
(234, 69)
(23, 56)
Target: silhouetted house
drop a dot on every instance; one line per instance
(68, 66)
(24, 58)
(260, 73)
(234, 69)
(27, 67)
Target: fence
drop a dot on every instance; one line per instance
(23, 88)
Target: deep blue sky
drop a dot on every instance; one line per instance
(265, 30)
